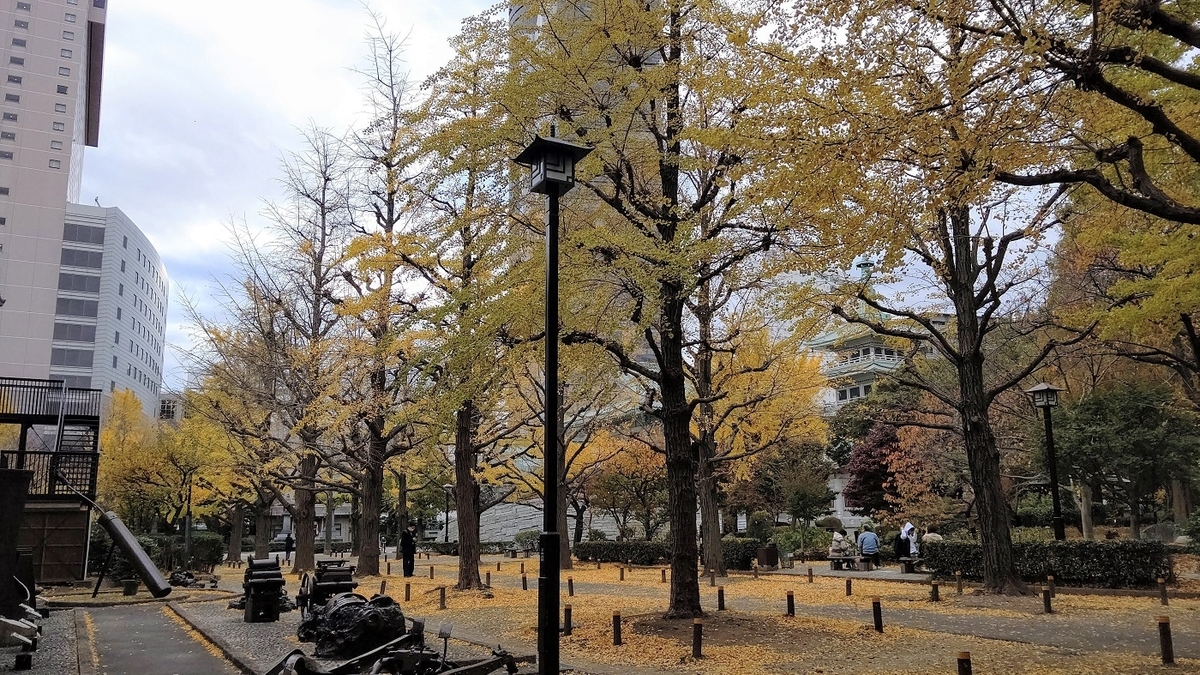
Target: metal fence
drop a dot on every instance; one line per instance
(78, 468)
(20, 396)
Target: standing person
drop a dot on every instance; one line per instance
(868, 545)
(906, 542)
(288, 545)
(408, 549)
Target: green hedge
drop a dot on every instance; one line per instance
(640, 552)
(1108, 564)
(739, 553)
(451, 548)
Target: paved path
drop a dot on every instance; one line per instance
(147, 640)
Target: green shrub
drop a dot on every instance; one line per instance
(639, 552)
(1193, 527)
(1032, 534)
(812, 543)
(1109, 564)
(451, 548)
(760, 526)
(527, 540)
(739, 553)
(208, 550)
(597, 535)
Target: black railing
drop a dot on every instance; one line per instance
(20, 396)
(78, 468)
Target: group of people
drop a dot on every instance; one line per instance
(907, 543)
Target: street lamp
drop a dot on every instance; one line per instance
(552, 173)
(1045, 396)
(446, 530)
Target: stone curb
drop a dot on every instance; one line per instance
(83, 646)
(59, 604)
(226, 651)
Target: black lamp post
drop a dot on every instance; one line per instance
(1045, 396)
(446, 530)
(552, 163)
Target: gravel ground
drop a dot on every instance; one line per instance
(56, 649)
(261, 645)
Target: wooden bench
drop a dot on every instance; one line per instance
(909, 565)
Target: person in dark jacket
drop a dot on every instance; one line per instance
(288, 545)
(408, 549)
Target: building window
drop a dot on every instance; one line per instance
(58, 126)
(12, 98)
(24, 6)
(18, 42)
(842, 394)
(14, 79)
(3, 191)
(4, 154)
(72, 2)
(73, 257)
(56, 145)
(121, 289)
(10, 117)
(99, 4)
(83, 233)
(69, 17)
(122, 265)
(56, 164)
(64, 71)
(66, 53)
(62, 88)
(118, 314)
(76, 307)
(7, 136)
(166, 409)
(866, 389)
(3, 220)
(114, 366)
(83, 283)
(74, 332)
(21, 23)
(79, 358)
(68, 35)
(16, 60)
(118, 338)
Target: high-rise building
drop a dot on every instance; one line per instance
(82, 292)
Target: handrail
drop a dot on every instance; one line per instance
(77, 467)
(22, 396)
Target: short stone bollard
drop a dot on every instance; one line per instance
(791, 603)
(524, 582)
(720, 598)
(566, 619)
(697, 638)
(497, 565)
(1050, 585)
(389, 569)
(958, 578)
(407, 592)
(431, 571)
(383, 587)
(810, 576)
(1046, 600)
(664, 576)
(487, 579)
(934, 595)
(1164, 640)
(849, 586)
(1162, 591)
(616, 628)
(522, 568)
(570, 587)
(441, 597)
(964, 663)
(877, 614)
(712, 578)
(622, 571)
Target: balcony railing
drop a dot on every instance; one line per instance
(78, 468)
(854, 363)
(46, 398)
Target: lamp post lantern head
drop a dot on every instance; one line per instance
(552, 163)
(1044, 395)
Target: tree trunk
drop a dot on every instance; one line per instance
(710, 513)
(302, 517)
(368, 529)
(580, 509)
(330, 521)
(234, 550)
(1085, 511)
(262, 530)
(357, 515)
(401, 504)
(466, 499)
(1181, 505)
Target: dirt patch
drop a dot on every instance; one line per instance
(741, 630)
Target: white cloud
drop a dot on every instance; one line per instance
(200, 101)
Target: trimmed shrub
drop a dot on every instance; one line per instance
(1107, 564)
(527, 540)
(739, 553)
(760, 526)
(451, 548)
(597, 535)
(640, 552)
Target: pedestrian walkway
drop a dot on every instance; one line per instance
(146, 640)
(821, 569)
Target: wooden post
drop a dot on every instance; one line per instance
(791, 603)
(712, 578)
(877, 614)
(488, 579)
(720, 598)
(1050, 585)
(441, 597)
(964, 663)
(566, 619)
(697, 637)
(664, 576)
(1162, 590)
(958, 578)
(1164, 640)
(1046, 600)
(571, 586)
(524, 582)
(616, 628)
(810, 578)
(431, 571)
(407, 592)
(849, 586)
(522, 568)
(383, 587)
(497, 565)
(756, 571)
(622, 570)
(934, 595)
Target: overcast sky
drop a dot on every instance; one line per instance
(201, 99)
